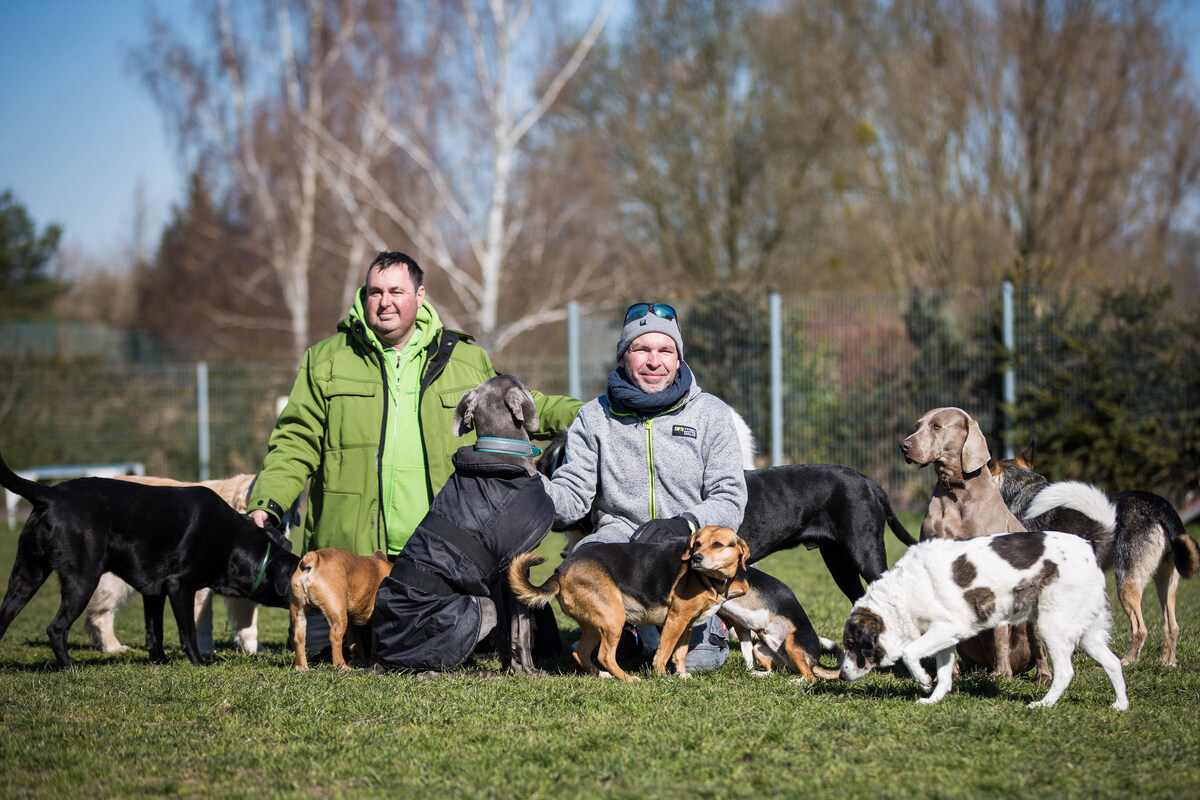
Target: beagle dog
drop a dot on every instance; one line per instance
(676, 584)
(786, 639)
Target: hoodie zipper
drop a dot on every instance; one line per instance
(650, 462)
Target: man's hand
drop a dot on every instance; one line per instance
(664, 530)
(260, 517)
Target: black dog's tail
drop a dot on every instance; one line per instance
(1184, 549)
(526, 592)
(892, 520)
(32, 491)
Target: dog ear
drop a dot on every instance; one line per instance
(693, 540)
(1026, 458)
(464, 413)
(743, 553)
(975, 452)
(520, 405)
(380, 555)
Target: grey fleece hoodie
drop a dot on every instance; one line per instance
(637, 469)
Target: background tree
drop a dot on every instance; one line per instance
(27, 257)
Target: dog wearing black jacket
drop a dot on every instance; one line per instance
(165, 542)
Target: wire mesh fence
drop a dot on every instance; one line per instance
(857, 371)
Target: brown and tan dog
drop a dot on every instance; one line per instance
(676, 584)
(966, 504)
(112, 592)
(342, 586)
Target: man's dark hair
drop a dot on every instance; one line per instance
(391, 258)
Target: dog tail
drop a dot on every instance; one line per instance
(1183, 547)
(526, 592)
(834, 672)
(32, 491)
(1100, 523)
(892, 520)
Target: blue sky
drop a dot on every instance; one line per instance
(79, 133)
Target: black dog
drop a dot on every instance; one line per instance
(824, 507)
(164, 541)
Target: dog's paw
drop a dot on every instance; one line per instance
(113, 649)
(1001, 675)
(801, 680)
(1121, 705)
(927, 701)
(1041, 704)
(684, 676)
(759, 673)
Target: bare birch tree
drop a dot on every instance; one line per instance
(250, 103)
(450, 96)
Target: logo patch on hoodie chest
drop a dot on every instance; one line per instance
(683, 430)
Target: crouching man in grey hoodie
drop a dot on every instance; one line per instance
(654, 456)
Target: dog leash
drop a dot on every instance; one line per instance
(262, 570)
(512, 447)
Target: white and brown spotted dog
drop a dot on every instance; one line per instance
(112, 592)
(941, 592)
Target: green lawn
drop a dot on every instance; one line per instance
(247, 726)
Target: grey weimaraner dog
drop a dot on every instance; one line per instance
(967, 504)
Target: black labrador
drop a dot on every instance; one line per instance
(164, 541)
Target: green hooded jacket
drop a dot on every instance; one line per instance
(364, 426)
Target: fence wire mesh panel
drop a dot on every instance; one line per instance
(1108, 382)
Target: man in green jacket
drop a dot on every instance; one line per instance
(369, 418)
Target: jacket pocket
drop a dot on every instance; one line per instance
(337, 523)
(354, 413)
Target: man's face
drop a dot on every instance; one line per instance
(651, 362)
(392, 303)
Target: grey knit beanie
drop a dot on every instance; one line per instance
(649, 324)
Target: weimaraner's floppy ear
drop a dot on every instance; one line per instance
(975, 452)
(520, 403)
(464, 413)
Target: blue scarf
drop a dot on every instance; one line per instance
(627, 397)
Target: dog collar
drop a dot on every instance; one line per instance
(952, 481)
(262, 570)
(512, 447)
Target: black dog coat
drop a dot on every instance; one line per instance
(427, 613)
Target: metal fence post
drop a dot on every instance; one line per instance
(1010, 366)
(776, 380)
(202, 417)
(574, 368)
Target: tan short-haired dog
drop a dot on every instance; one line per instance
(342, 586)
(676, 584)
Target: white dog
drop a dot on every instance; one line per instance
(943, 591)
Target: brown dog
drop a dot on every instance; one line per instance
(112, 592)
(676, 584)
(342, 586)
(966, 504)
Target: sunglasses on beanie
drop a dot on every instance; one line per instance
(639, 310)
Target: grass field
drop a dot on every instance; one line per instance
(247, 726)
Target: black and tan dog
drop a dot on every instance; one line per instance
(786, 639)
(165, 542)
(1138, 535)
(676, 584)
